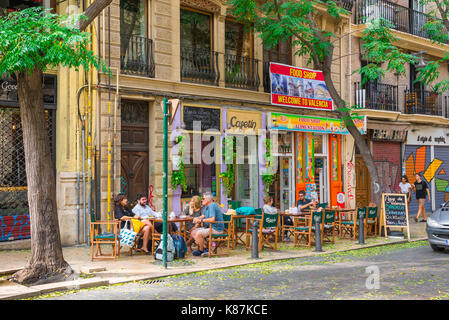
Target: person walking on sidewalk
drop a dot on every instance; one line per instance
(406, 188)
(422, 190)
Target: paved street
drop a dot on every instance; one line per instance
(407, 271)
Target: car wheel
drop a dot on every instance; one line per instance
(436, 248)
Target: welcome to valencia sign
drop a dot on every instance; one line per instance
(299, 87)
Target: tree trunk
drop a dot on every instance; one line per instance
(358, 139)
(46, 263)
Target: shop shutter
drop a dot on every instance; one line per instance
(387, 158)
(441, 175)
(417, 160)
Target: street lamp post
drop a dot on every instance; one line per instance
(165, 185)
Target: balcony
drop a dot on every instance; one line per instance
(402, 18)
(377, 96)
(136, 56)
(425, 102)
(199, 66)
(241, 72)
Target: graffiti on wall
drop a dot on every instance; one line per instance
(349, 178)
(389, 176)
(14, 227)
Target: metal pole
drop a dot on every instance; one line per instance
(165, 187)
(317, 235)
(361, 229)
(255, 240)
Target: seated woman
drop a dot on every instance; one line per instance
(193, 210)
(268, 207)
(122, 213)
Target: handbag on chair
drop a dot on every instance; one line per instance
(127, 236)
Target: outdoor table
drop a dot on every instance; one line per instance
(300, 215)
(234, 237)
(182, 220)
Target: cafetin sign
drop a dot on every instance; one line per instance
(243, 122)
(299, 87)
(293, 122)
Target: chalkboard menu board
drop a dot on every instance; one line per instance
(395, 211)
(209, 117)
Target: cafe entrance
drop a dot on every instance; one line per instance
(246, 175)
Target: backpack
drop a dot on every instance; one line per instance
(245, 211)
(180, 246)
(158, 254)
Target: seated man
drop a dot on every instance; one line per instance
(143, 210)
(211, 213)
(303, 203)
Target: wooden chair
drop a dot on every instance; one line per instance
(224, 237)
(285, 229)
(99, 237)
(249, 226)
(306, 232)
(268, 228)
(328, 227)
(371, 221)
(351, 227)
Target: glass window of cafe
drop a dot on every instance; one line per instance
(200, 165)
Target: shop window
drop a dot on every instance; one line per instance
(200, 167)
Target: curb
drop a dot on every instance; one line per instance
(89, 283)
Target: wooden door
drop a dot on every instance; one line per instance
(134, 149)
(363, 190)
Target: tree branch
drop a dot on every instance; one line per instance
(92, 12)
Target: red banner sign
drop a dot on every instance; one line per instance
(299, 87)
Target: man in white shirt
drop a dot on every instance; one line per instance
(143, 210)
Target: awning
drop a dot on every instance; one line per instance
(388, 125)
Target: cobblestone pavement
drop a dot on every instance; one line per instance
(407, 271)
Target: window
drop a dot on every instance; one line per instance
(280, 53)
(133, 17)
(238, 41)
(196, 29)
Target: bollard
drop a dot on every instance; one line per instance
(361, 229)
(255, 240)
(317, 235)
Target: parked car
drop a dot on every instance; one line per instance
(437, 228)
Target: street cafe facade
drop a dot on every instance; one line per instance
(310, 154)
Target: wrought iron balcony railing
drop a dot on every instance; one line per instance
(241, 72)
(199, 66)
(376, 96)
(345, 4)
(136, 55)
(402, 18)
(423, 102)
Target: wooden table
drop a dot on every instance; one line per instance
(234, 236)
(183, 221)
(288, 228)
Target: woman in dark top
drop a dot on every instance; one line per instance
(123, 213)
(422, 191)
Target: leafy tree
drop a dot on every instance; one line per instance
(31, 41)
(278, 20)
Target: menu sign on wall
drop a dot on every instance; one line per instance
(299, 87)
(207, 118)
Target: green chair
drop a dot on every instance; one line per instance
(307, 231)
(268, 230)
(328, 226)
(350, 227)
(371, 221)
(249, 225)
(323, 205)
(99, 236)
(224, 237)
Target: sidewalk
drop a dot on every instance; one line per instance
(142, 267)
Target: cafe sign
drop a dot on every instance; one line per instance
(293, 122)
(243, 122)
(428, 136)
